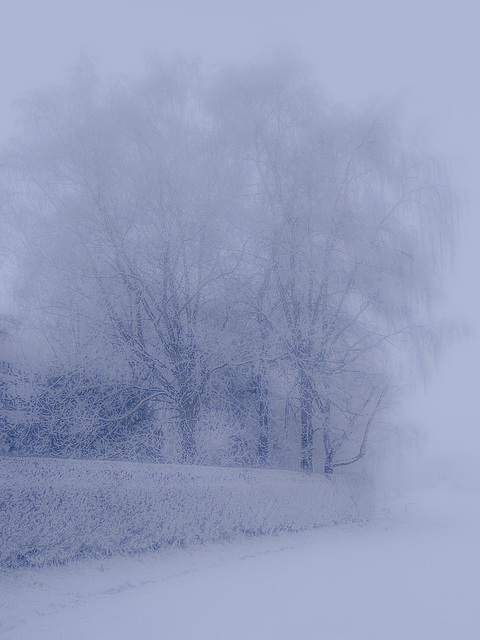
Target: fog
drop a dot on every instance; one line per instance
(405, 547)
(422, 53)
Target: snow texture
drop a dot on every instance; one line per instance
(410, 574)
(53, 511)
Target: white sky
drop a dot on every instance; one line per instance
(425, 50)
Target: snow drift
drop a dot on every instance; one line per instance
(52, 511)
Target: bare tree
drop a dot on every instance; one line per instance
(231, 247)
(347, 215)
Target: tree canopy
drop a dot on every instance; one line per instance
(215, 269)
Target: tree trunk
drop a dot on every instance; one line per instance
(328, 468)
(189, 452)
(188, 410)
(327, 443)
(263, 438)
(306, 415)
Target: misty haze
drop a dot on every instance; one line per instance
(237, 370)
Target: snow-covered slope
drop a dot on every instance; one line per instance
(413, 574)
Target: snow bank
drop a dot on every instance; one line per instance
(53, 511)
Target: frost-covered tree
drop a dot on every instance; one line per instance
(352, 226)
(230, 250)
(119, 192)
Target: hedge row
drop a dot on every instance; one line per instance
(53, 511)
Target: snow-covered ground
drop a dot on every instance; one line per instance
(413, 574)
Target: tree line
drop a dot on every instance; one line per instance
(213, 268)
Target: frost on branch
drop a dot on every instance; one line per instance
(219, 270)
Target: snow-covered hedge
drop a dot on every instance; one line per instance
(58, 510)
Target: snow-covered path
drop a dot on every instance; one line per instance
(413, 575)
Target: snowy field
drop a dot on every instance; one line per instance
(413, 574)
